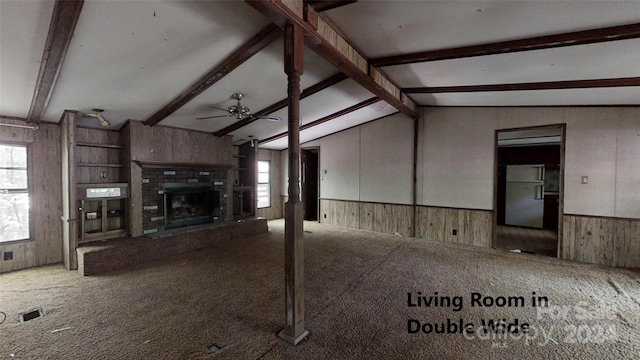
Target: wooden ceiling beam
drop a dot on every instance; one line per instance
(326, 41)
(282, 104)
(63, 23)
(631, 31)
(324, 5)
(258, 42)
(330, 117)
(549, 85)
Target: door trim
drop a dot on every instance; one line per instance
(563, 132)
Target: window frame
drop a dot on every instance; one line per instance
(29, 191)
(268, 183)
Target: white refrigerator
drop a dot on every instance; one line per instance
(524, 204)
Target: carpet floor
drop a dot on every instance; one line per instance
(367, 296)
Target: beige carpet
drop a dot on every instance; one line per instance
(357, 286)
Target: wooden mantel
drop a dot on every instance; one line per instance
(166, 165)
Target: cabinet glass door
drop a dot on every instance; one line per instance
(92, 213)
(115, 214)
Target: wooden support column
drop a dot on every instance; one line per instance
(69, 201)
(294, 330)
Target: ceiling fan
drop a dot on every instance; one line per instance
(240, 111)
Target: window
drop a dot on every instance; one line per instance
(264, 190)
(14, 193)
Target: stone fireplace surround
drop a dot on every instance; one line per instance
(153, 185)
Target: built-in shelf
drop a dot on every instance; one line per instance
(101, 165)
(104, 146)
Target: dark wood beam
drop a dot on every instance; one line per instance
(330, 117)
(549, 85)
(63, 23)
(294, 330)
(631, 31)
(258, 42)
(327, 42)
(324, 5)
(282, 104)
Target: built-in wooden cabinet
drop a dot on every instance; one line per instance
(99, 156)
(244, 189)
(243, 205)
(101, 183)
(103, 211)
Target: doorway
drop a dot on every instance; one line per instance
(310, 190)
(529, 173)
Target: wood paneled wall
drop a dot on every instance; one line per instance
(473, 227)
(275, 211)
(173, 145)
(168, 145)
(46, 195)
(602, 240)
(378, 217)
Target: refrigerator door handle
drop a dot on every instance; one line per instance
(540, 173)
(540, 192)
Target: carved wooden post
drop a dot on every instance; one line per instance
(294, 330)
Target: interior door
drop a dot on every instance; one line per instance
(310, 184)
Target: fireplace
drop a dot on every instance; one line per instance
(188, 204)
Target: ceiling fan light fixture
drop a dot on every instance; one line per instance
(104, 122)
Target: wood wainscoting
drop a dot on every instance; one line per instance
(602, 240)
(472, 227)
(378, 217)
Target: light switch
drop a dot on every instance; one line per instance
(585, 180)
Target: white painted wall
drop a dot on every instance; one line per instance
(371, 162)
(386, 160)
(457, 156)
(340, 157)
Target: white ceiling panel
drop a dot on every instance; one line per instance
(374, 111)
(383, 28)
(23, 33)
(566, 63)
(328, 101)
(593, 96)
(263, 82)
(132, 57)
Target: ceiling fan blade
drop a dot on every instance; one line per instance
(217, 108)
(211, 117)
(269, 118)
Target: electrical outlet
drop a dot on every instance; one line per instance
(8, 255)
(584, 180)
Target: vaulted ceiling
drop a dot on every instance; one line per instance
(171, 62)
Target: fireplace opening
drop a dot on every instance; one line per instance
(188, 204)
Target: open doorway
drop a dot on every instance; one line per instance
(529, 176)
(310, 191)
